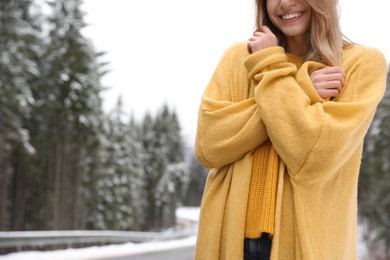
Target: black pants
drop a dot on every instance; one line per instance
(257, 248)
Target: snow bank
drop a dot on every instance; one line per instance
(94, 253)
(102, 252)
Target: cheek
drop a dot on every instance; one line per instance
(274, 20)
(271, 7)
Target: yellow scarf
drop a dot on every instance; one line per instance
(260, 215)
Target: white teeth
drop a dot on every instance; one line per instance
(291, 16)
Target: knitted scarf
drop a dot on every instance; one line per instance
(260, 215)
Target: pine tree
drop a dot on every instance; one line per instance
(19, 49)
(120, 179)
(198, 176)
(69, 109)
(175, 178)
(136, 182)
(64, 165)
(166, 174)
(149, 164)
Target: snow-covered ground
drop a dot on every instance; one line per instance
(102, 252)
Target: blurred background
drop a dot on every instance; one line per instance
(98, 111)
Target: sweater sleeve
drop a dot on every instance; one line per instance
(229, 124)
(314, 136)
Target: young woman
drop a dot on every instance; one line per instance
(281, 126)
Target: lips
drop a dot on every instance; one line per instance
(291, 16)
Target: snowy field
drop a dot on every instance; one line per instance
(103, 252)
(95, 253)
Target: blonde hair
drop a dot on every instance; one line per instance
(325, 39)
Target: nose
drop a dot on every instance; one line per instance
(284, 4)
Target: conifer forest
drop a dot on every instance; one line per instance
(65, 164)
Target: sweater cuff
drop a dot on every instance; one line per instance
(303, 79)
(261, 59)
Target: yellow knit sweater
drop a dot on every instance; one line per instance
(269, 96)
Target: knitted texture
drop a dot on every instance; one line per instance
(269, 95)
(262, 192)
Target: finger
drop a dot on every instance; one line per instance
(337, 76)
(327, 93)
(334, 85)
(262, 31)
(327, 77)
(266, 30)
(331, 69)
(327, 85)
(250, 44)
(249, 48)
(258, 34)
(334, 69)
(340, 77)
(339, 69)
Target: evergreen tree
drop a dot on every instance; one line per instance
(174, 175)
(166, 174)
(19, 49)
(149, 164)
(136, 182)
(120, 180)
(69, 115)
(374, 184)
(64, 165)
(198, 176)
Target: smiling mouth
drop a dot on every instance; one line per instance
(291, 16)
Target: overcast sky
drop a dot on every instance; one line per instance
(166, 51)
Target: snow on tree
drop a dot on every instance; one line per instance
(69, 102)
(71, 166)
(120, 180)
(166, 173)
(19, 47)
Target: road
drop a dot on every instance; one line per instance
(184, 253)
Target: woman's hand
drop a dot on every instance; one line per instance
(261, 39)
(328, 81)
